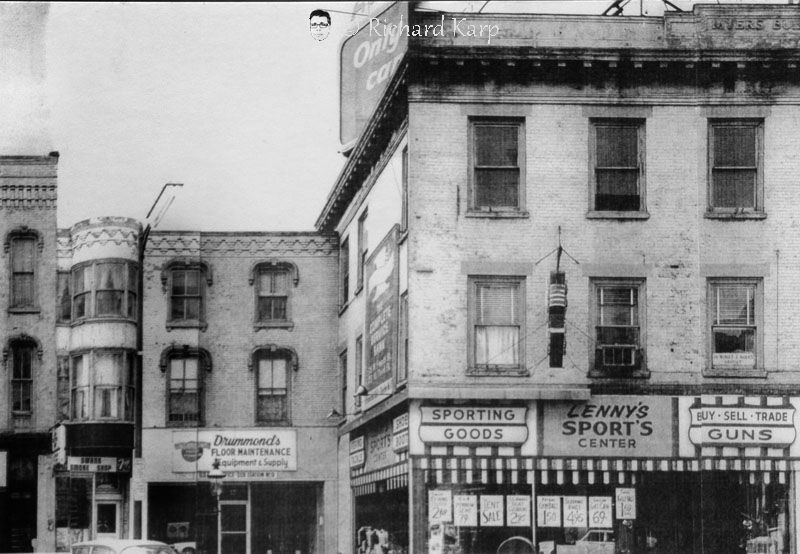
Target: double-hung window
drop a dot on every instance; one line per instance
(272, 396)
(184, 400)
(23, 262)
(273, 295)
(735, 165)
(497, 330)
(617, 158)
(102, 385)
(618, 327)
(344, 272)
(23, 354)
(362, 250)
(498, 163)
(186, 295)
(735, 313)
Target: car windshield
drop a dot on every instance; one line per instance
(147, 549)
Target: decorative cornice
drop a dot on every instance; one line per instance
(257, 245)
(276, 351)
(275, 265)
(104, 235)
(185, 351)
(28, 196)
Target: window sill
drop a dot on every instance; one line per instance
(282, 423)
(736, 215)
(188, 324)
(358, 290)
(595, 214)
(343, 308)
(735, 373)
(182, 424)
(605, 374)
(287, 324)
(104, 319)
(483, 372)
(509, 214)
(26, 310)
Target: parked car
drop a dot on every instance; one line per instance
(120, 546)
(188, 547)
(595, 541)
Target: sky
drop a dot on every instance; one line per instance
(236, 101)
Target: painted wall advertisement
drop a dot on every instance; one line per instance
(369, 60)
(241, 453)
(618, 426)
(735, 422)
(381, 320)
(473, 424)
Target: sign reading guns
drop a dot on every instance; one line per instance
(473, 424)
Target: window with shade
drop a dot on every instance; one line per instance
(185, 401)
(618, 329)
(102, 385)
(23, 264)
(103, 289)
(272, 395)
(617, 158)
(497, 311)
(735, 314)
(735, 165)
(498, 155)
(23, 356)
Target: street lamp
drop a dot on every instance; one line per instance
(216, 475)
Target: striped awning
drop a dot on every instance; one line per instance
(513, 470)
(388, 478)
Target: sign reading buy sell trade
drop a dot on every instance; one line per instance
(257, 451)
(473, 424)
(622, 426)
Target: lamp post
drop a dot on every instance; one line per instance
(216, 475)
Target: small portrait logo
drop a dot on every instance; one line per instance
(192, 451)
(319, 23)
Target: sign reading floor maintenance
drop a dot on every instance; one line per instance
(240, 451)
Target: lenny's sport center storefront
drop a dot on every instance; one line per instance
(663, 474)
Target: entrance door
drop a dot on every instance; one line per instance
(234, 527)
(107, 519)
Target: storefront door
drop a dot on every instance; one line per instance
(107, 517)
(234, 528)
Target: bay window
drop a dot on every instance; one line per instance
(105, 288)
(102, 385)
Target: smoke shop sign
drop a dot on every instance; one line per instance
(713, 424)
(623, 426)
(241, 453)
(473, 424)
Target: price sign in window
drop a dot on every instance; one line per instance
(465, 510)
(600, 512)
(575, 512)
(548, 511)
(626, 503)
(491, 510)
(440, 506)
(518, 510)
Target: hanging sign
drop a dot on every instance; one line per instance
(440, 506)
(548, 511)
(600, 512)
(465, 510)
(491, 510)
(575, 511)
(518, 510)
(626, 503)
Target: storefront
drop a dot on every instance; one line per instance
(379, 480)
(272, 498)
(649, 473)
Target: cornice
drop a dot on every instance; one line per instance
(237, 244)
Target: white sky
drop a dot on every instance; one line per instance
(236, 101)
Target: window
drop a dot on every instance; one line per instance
(359, 369)
(343, 377)
(362, 250)
(497, 313)
(402, 339)
(102, 385)
(23, 354)
(735, 165)
(273, 293)
(617, 157)
(185, 281)
(404, 182)
(63, 298)
(735, 313)
(344, 272)
(618, 318)
(498, 158)
(185, 391)
(23, 262)
(103, 289)
(272, 405)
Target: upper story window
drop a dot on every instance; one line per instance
(359, 368)
(185, 282)
(402, 339)
(736, 161)
(274, 282)
(63, 298)
(102, 385)
(105, 288)
(344, 272)
(23, 355)
(185, 369)
(617, 160)
(498, 164)
(618, 318)
(735, 317)
(362, 250)
(272, 392)
(23, 245)
(497, 321)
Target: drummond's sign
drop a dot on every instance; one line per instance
(240, 452)
(473, 424)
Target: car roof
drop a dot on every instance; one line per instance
(120, 543)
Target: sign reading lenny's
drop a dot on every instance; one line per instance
(473, 424)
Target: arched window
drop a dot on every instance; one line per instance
(272, 366)
(185, 368)
(273, 285)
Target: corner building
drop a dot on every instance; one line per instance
(574, 318)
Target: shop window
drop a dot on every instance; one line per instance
(735, 317)
(274, 282)
(185, 281)
(23, 356)
(63, 298)
(497, 315)
(104, 289)
(344, 272)
(735, 166)
(102, 385)
(23, 264)
(618, 332)
(272, 394)
(617, 161)
(498, 163)
(362, 250)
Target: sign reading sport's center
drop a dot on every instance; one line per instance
(369, 60)
(240, 452)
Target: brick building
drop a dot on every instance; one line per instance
(567, 275)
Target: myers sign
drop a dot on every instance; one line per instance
(473, 424)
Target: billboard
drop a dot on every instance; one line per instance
(368, 62)
(382, 286)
